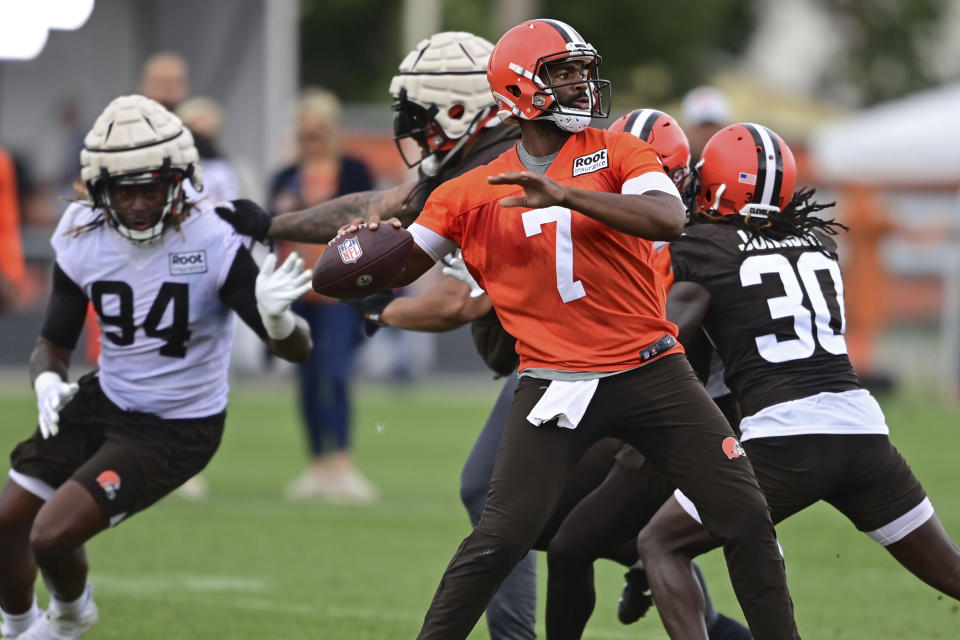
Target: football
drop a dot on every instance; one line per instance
(364, 262)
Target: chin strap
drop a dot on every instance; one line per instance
(570, 123)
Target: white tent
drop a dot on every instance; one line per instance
(913, 141)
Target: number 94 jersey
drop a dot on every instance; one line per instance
(165, 333)
(776, 311)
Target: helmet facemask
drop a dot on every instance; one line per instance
(412, 120)
(159, 194)
(597, 94)
(539, 89)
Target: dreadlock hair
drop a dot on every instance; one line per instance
(85, 198)
(796, 219)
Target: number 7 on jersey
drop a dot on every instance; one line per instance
(533, 222)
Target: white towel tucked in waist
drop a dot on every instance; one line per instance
(566, 400)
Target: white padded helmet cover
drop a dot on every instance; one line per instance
(434, 74)
(135, 134)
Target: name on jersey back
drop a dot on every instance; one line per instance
(751, 242)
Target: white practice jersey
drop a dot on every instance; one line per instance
(165, 333)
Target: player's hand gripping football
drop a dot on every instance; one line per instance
(247, 217)
(372, 222)
(52, 395)
(276, 289)
(538, 190)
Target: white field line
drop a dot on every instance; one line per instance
(187, 583)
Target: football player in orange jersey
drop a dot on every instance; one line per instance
(558, 231)
(624, 492)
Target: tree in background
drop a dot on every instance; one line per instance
(653, 52)
(888, 53)
(351, 47)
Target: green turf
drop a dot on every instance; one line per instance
(247, 564)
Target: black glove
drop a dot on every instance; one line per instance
(370, 308)
(247, 217)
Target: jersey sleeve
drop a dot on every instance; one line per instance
(238, 290)
(66, 311)
(691, 257)
(437, 230)
(639, 167)
(74, 218)
(232, 244)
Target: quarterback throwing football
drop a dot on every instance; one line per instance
(558, 230)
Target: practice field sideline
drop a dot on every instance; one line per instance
(245, 563)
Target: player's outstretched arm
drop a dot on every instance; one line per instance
(687, 306)
(276, 289)
(320, 223)
(50, 359)
(447, 306)
(654, 215)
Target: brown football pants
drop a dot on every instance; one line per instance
(663, 410)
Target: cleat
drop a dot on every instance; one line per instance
(636, 597)
(53, 626)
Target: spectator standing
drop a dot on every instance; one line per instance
(320, 173)
(166, 79)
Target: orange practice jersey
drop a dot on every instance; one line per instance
(577, 294)
(661, 261)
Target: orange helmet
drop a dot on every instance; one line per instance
(665, 135)
(746, 169)
(522, 86)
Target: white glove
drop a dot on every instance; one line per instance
(277, 289)
(52, 395)
(456, 268)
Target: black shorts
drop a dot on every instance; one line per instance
(863, 476)
(127, 460)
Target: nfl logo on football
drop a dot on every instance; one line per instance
(350, 250)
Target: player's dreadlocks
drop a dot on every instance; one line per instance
(796, 219)
(84, 198)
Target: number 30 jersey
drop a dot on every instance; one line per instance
(165, 332)
(577, 294)
(776, 311)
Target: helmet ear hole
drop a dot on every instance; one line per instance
(456, 111)
(514, 89)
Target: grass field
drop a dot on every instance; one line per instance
(247, 564)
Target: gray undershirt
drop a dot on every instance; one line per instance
(535, 163)
(540, 165)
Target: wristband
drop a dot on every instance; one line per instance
(280, 327)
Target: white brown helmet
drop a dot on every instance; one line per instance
(134, 141)
(441, 97)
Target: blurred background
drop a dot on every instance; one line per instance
(866, 93)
